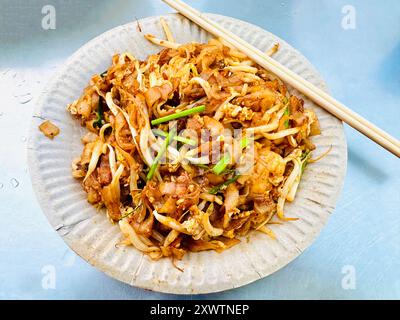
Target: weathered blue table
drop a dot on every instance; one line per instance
(355, 45)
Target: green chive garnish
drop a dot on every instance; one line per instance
(100, 114)
(178, 115)
(218, 188)
(244, 142)
(161, 133)
(222, 164)
(287, 113)
(163, 149)
(186, 141)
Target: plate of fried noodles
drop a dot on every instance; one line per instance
(179, 164)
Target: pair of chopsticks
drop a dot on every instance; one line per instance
(320, 97)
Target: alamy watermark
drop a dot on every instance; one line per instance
(49, 18)
(349, 19)
(349, 279)
(49, 277)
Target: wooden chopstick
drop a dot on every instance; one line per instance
(274, 64)
(317, 95)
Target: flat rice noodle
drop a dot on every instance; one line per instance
(168, 207)
(111, 196)
(122, 133)
(157, 94)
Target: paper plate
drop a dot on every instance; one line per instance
(91, 235)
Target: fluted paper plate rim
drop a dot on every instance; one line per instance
(205, 272)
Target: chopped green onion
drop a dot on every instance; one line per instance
(244, 142)
(287, 113)
(186, 141)
(99, 113)
(222, 164)
(103, 74)
(163, 149)
(218, 188)
(178, 115)
(161, 133)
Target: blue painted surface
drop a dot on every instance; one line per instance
(362, 69)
